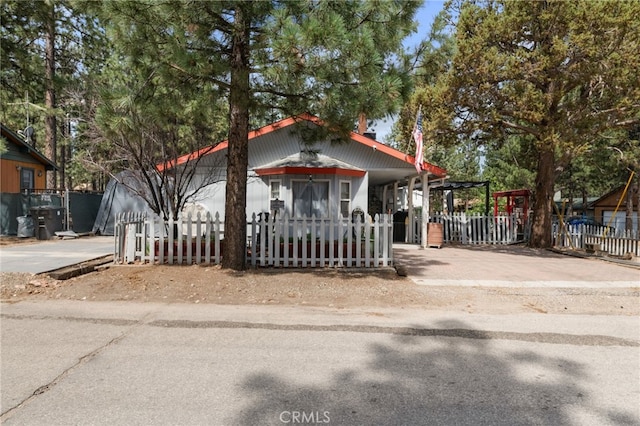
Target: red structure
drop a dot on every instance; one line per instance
(515, 198)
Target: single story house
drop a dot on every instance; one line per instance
(22, 178)
(323, 179)
(22, 166)
(605, 206)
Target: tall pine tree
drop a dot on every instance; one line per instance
(49, 51)
(270, 59)
(559, 73)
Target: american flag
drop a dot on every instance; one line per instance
(417, 135)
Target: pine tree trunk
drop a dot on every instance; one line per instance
(542, 207)
(50, 96)
(628, 217)
(63, 156)
(637, 205)
(235, 234)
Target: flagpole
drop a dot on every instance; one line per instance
(418, 136)
(413, 129)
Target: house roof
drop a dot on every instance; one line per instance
(25, 148)
(612, 197)
(513, 193)
(451, 185)
(355, 137)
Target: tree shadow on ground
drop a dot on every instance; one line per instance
(410, 380)
(417, 260)
(512, 249)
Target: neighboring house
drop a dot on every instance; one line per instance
(577, 209)
(605, 206)
(22, 172)
(22, 166)
(324, 179)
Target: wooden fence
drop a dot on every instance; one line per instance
(281, 242)
(465, 228)
(600, 238)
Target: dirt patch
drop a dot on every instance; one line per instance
(10, 240)
(324, 287)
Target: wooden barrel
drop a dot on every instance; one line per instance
(435, 235)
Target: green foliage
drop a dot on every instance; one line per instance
(296, 65)
(559, 71)
(511, 165)
(265, 60)
(559, 76)
(22, 65)
(431, 60)
(79, 51)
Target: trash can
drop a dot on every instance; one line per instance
(48, 220)
(435, 235)
(399, 226)
(25, 226)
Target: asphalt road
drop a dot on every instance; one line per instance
(138, 364)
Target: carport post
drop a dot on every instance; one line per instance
(425, 208)
(396, 207)
(384, 199)
(410, 238)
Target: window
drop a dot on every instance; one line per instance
(345, 198)
(276, 203)
(310, 198)
(26, 179)
(275, 190)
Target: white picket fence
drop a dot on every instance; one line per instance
(465, 228)
(279, 242)
(607, 240)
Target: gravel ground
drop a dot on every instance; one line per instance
(328, 287)
(336, 288)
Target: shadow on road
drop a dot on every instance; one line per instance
(444, 380)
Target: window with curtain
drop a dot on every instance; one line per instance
(310, 198)
(275, 190)
(276, 203)
(345, 198)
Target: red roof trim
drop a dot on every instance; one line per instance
(431, 168)
(286, 170)
(225, 144)
(512, 193)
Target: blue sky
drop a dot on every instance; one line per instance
(424, 17)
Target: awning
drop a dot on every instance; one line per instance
(306, 164)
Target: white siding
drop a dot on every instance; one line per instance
(257, 196)
(284, 142)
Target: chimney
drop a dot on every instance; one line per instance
(370, 135)
(362, 123)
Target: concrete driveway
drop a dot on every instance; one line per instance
(45, 256)
(509, 266)
(495, 266)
